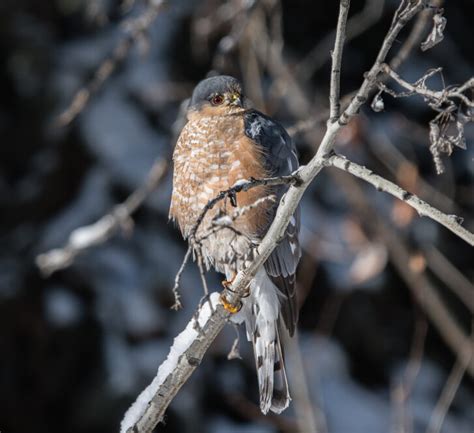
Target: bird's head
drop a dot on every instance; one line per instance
(217, 95)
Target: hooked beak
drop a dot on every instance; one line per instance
(235, 100)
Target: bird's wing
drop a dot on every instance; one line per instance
(280, 159)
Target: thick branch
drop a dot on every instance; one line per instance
(184, 357)
(423, 208)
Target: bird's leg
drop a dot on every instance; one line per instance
(231, 308)
(228, 283)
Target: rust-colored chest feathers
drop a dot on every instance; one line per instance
(211, 154)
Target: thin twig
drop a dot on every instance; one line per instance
(309, 416)
(336, 56)
(97, 233)
(418, 282)
(135, 28)
(202, 272)
(402, 390)
(435, 97)
(449, 391)
(423, 208)
(241, 186)
(451, 276)
(177, 281)
(415, 36)
(356, 25)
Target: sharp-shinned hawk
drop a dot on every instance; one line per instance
(222, 142)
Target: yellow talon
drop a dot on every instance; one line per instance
(228, 283)
(230, 307)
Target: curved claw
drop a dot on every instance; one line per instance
(227, 283)
(231, 308)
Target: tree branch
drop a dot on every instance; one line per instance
(435, 97)
(151, 407)
(336, 56)
(94, 234)
(424, 293)
(135, 30)
(451, 222)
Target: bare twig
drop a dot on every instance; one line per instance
(402, 390)
(241, 186)
(451, 276)
(202, 272)
(177, 297)
(97, 233)
(398, 164)
(423, 291)
(153, 406)
(449, 390)
(336, 56)
(451, 222)
(309, 416)
(415, 36)
(435, 98)
(356, 25)
(135, 29)
(447, 128)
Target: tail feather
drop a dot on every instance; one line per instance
(261, 314)
(272, 380)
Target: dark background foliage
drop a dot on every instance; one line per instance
(77, 347)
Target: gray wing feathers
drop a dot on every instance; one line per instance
(280, 159)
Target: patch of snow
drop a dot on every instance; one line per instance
(181, 343)
(240, 182)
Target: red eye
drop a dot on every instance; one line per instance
(217, 100)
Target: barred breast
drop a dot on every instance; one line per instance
(212, 153)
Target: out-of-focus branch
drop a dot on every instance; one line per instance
(97, 233)
(418, 282)
(402, 390)
(451, 222)
(449, 390)
(336, 55)
(309, 416)
(356, 25)
(452, 277)
(135, 30)
(151, 405)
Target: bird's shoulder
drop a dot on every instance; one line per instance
(264, 130)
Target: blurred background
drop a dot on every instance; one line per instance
(375, 352)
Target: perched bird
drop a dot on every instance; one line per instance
(223, 142)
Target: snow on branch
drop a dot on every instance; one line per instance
(97, 233)
(184, 356)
